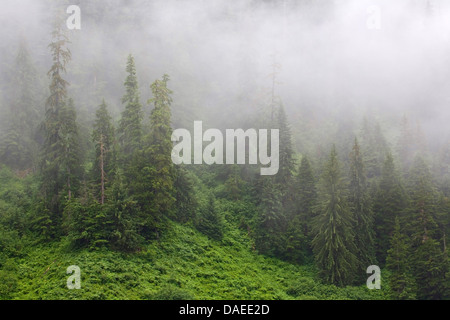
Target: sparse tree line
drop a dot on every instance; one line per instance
(344, 213)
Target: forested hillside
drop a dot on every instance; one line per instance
(87, 172)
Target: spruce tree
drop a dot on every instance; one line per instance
(333, 244)
(361, 206)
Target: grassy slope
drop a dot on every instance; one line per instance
(183, 265)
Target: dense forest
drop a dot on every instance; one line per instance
(87, 176)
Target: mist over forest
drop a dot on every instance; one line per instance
(85, 147)
(220, 56)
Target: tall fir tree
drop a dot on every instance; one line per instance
(333, 244)
(361, 205)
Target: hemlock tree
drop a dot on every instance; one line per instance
(103, 137)
(361, 206)
(333, 245)
(398, 262)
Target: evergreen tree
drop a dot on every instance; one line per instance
(71, 160)
(186, 203)
(390, 202)
(153, 185)
(333, 245)
(123, 219)
(305, 194)
(287, 162)
(398, 262)
(271, 220)
(299, 227)
(130, 126)
(373, 148)
(18, 147)
(210, 222)
(103, 137)
(361, 206)
(429, 261)
(233, 184)
(60, 166)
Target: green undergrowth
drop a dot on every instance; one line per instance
(183, 264)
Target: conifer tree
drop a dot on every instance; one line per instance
(373, 148)
(60, 166)
(130, 126)
(361, 206)
(398, 262)
(271, 220)
(71, 160)
(429, 261)
(103, 137)
(18, 147)
(299, 226)
(186, 203)
(305, 194)
(333, 244)
(390, 201)
(287, 162)
(210, 222)
(154, 171)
